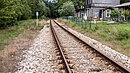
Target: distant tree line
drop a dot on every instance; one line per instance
(12, 11)
(124, 1)
(61, 8)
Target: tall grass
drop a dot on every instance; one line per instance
(10, 32)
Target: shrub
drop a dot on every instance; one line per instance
(126, 13)
(115, 15)
(43, 17)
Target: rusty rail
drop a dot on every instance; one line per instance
(68, 70)
(122, 68)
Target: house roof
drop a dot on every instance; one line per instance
(109, 7)
(123, 5)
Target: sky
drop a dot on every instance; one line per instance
(51, 0)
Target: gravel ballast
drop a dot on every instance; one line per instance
(107, 51)
(81, 57)
(40, 57)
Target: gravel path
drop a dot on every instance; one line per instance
(41, 56)
(81, 57)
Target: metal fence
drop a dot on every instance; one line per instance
(78, 21)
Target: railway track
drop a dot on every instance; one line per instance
(79, 57)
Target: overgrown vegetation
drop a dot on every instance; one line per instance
(10, 32)
(116, 35)
(67, 9)
(117, 15)
(12, 11)
(63, 5)
(124, 1)
(15, 39)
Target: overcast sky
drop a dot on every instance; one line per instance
(51, 0)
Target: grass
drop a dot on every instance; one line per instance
(15, 39)
(115, 35)
(14, 31)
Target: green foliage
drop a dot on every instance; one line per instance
(78, 4)
(6, 34)
(124, 1)
(39, 6)
(43, 17)
(56, 5)
(11, 11)
(122, 35)
(116, 36)
(43, 9)
(67, 9)
(26, 10)
(126, 13)
(115, 14)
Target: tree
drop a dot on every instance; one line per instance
(26, 10)
(53, 6)
(124, 1)
(43, 9)
(67, 9)
(2, 4)
(40, 6)
(78, 4)
(12, 11)
(57, 4)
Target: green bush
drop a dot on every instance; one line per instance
(43, 17)
(115, 15)
(6, 21)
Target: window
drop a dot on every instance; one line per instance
(82, 15)
(108, 13)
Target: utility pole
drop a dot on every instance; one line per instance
(88, 5)
(37, 14)
(85, 7)
(85, 10)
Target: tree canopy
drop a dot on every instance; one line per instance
(67, 9)
(58, 5)
(12, 11)
(124, 1)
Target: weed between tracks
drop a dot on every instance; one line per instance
(13, 40)
(116, 36)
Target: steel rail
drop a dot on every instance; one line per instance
(68, 70)
(122, 68)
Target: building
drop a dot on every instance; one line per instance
(98, 8)
(123, 7)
